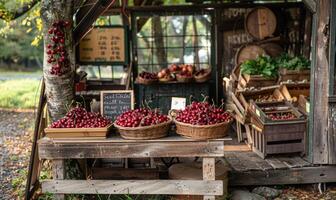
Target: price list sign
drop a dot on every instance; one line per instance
(115, 102)
(104, 45)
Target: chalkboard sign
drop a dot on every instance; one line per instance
(104, 45)
(115, 102)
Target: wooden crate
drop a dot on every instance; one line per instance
(80, 133)
(279, 136)
(242, 100)
(294, 75)
(257, 81)
(292, 91)
(303, 104)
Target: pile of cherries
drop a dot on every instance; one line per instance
(203, 113)
(57, 54)
(78, 117)
(148, 75)
(141, 117)
(281, 116)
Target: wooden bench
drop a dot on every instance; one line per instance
(115, 147)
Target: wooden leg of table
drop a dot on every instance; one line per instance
(58, 174)
(209, 173)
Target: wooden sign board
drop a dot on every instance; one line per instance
(104, 45)
(115, 102)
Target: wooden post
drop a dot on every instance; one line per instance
(209, 173)
(58, 174)
(318, 137)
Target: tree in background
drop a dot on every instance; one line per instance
(20, 34)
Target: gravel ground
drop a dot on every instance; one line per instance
(15, 143)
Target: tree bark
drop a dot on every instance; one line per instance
(159, 41)
(59, 89)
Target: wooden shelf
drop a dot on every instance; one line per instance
(116, 147)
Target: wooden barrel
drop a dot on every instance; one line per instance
(272, 49)
(260, 23)
(248, 52)
(193, 171)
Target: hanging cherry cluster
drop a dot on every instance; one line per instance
(57, 54)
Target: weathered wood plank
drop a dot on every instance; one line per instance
(58, 172)
(276, 163)
(117, 139)
(174, 187)
(293, 162)
(89, 149)
(246, 161)
(321, 72)
(322, 174)
(209, 173)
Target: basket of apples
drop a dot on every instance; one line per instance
(165, 75)
(142, 124)
(186, 73)
(201, 120)
(147, 78)
(79, 123)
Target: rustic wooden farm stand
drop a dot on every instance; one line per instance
(115, 147)
(304, 28)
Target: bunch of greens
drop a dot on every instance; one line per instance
(263, 65)
(293, 62)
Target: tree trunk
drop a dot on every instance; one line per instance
(195, 41)
(184, 29)
(59, 89)
(159, 41)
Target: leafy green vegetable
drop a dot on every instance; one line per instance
(263, 65)
(293, 62)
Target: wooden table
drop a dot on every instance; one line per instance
(115, 147)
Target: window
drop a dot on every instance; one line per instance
(179, 39)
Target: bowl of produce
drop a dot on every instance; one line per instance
(202, 75)
(201, 120)
(142, 124)
(79, 123)
(147, 78)
(165, 75)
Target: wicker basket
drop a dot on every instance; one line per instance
(146, 81)
(184, 79)
(203, 78)
(202, 131)
(144, 132)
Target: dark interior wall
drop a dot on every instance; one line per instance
(232, 33)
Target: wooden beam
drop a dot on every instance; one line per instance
(153, 187)
(305, 175)
(208, 174)
(311, 5)
(89, 18)
(320, 154)
(33, 168)
(52, 149)
(198, 7)
(58, 172)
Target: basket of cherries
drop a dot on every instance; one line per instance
(147, 78)
(78, 122)
(142, 123)
(201, 120)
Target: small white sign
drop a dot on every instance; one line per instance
(178, 103)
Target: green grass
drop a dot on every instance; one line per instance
(19, 93)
